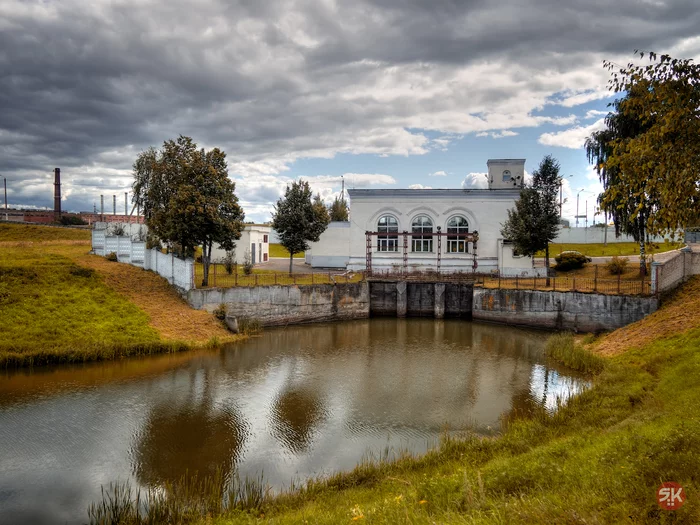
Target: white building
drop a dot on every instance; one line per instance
(396, 228)
(255, 240)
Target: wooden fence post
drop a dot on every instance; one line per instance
(214, 275)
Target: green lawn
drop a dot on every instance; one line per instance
(617, 248)
(277, 250)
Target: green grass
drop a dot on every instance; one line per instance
(56, 311)
(613, 248)
(598, 459)
(277, 250)
(563, 348)
(30, 232)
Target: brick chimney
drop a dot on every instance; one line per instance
(57, 194)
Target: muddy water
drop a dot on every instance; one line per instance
(293, 403)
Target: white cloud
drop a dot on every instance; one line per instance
(476, 181)
(498, 134)
(419, 187)
(440, 173)
(594, 113)
(573, 138)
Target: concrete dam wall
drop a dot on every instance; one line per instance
(282, 305)
(583, 312)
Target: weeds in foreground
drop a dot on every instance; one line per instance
(564, 349)
(186, 500)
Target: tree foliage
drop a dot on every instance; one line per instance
(187, 198)
(339, 210)
(664, 98)
(534, 222)
(297, 220)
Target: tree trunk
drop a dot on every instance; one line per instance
(642, 258)
(205, 264)
(546, 263)
(291, 258)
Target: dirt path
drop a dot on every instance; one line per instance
(169, 314)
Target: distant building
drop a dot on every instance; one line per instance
(255, 240)
(92, 217)
(422, 229)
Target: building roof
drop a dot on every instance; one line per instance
(505, 161)
(436, 192)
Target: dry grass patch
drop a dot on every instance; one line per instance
(168, 313)
(24, 232)
(679, 313)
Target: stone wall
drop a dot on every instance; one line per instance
(583, 312)
(281, 305)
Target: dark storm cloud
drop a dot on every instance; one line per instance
(86, 86)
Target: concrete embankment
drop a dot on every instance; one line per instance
(282, 305)
(583, 312)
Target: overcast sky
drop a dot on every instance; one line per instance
(386, 93)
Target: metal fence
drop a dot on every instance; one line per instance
(220, 277)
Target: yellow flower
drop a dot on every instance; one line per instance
(398, 498)
(358, 517)
(423, 501)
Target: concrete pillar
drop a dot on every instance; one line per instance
(439, 300)
(401, 299)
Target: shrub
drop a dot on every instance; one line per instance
(249, 325)
(220, 312)
(570, 261)
(72, 220)
(118, 229)
(111, 256)
(247, 264)
(229, 263)
(617, 265)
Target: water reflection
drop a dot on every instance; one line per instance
(293, 403)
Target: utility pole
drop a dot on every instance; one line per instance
(114, 204)
(577, 195)
(126, 204)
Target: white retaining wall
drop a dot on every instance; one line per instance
(670, 269)
(178, 272)
(594, 235)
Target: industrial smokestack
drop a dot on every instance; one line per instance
(114, 204)
(102, 208)
(57, 194)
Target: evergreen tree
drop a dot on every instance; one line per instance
(534, 222)
(298, 220)
(339, 210)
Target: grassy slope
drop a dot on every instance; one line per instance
(600, 459)
(59, 304)
(277, 250)
(613, 248)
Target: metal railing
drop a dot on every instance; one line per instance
(219, 277)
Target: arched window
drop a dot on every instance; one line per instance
(456, 243)
(422, 238)
(506, 176)
(386, 226)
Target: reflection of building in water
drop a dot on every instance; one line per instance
(188, 434)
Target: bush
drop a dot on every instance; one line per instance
(229, 263)
(72, 220)
(111, 256)
(247, 264)
(249, 325)
(570, 261)
(617, 265)
(118, 229)
(220, 312)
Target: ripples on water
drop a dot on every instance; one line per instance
(293, 403)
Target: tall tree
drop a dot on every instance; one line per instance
(664, 97)
(624, 197)
(534, 222)
(297, 220)
(188, 198)
(339, 210)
